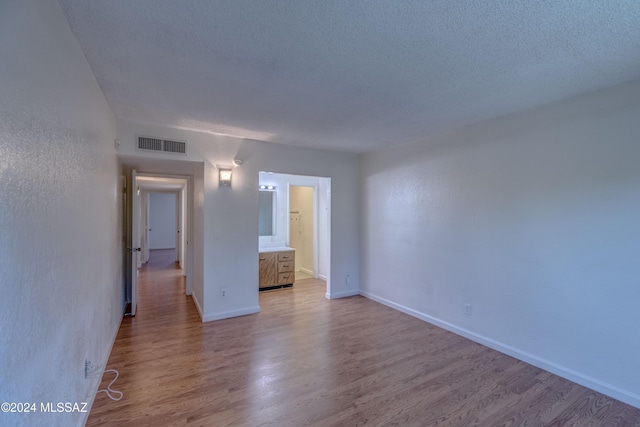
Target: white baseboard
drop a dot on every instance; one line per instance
(98, 380)
(197, 303)
(232, 313)
(562, 371)
(322, 276)
(306, 270)
(343, 294)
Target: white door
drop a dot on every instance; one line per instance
(135, 245)
(133, 240)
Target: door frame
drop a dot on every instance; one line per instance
(323, 237)
(185, 205)
(132, 223)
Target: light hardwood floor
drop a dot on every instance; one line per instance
(304, 360)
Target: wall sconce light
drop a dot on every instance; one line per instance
(225, 176)
(268, 187)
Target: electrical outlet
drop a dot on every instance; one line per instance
(467, 309)
(90, 370)
(348, 280)
(223, 292)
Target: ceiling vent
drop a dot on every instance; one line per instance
(175, 147)
(155, 144)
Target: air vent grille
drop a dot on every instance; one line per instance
(175, 147)
(149, 144)
(156, 144)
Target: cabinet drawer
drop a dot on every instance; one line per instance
(286, 256)
(286, 278)
(285, 266)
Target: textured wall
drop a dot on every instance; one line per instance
(534, 220)
(60, 259)
(324, 206)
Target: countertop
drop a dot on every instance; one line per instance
(276, 249)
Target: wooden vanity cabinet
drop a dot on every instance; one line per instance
(268, 273)
(276, 269)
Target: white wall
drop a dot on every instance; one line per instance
(60, 222)
(230, 214)
(162, 221)
(534, 220)
(196, 260)
(182, 223)
(324, 204)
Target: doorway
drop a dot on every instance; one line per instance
(162, 229)
(299, 204)
(138, 226)
(164, 218)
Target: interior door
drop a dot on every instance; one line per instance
(133, 240)
(135, 245)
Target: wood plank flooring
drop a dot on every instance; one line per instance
(305, 360)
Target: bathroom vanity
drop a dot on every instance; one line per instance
(276, 268)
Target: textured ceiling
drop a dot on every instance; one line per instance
(345, 74)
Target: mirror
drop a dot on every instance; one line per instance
(266, 213)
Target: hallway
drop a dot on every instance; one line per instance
(144, 345)
(160, 281)
(175, 370)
